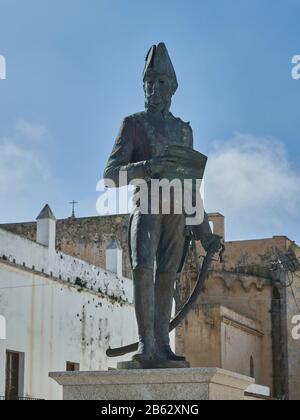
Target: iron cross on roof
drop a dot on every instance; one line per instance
(73, 203)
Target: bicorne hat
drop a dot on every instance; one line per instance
(158, 61)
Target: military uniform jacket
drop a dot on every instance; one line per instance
(143, 136)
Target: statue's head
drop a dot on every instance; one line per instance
(160, 81)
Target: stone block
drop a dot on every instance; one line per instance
(159, 384)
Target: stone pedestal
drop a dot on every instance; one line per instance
(158, 384)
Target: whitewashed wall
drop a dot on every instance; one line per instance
(39, 258)
(51, 320)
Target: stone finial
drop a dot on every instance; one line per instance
(46, 228)
(46, 213)
(114, 257)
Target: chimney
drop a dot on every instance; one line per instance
(217, 222)
(46, 228)
(114, 257)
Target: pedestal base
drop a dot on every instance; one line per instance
(153, 364)
(157, 384)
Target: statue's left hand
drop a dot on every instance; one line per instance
(212, 243)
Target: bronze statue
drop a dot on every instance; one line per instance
(141, 149)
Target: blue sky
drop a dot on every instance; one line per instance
(74, 71)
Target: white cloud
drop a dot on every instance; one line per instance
(251, 181)
(30, 130)
(20, 169)
(25, 178)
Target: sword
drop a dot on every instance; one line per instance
(186, 308)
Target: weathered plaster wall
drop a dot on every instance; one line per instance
(53, 323)
(30, 255)
(85, 238)
(200, 339)
(242, 282)
(252, 252)
(218, 224)
(59, 309)
(218, 336)
(242, 341)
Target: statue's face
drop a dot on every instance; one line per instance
(158, 92)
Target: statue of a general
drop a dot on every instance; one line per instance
(156, 240)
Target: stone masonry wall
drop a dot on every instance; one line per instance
(84, 238)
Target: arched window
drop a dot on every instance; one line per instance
(252, 369)
(114, 257)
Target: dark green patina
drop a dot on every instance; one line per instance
(153, 145)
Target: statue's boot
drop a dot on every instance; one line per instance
(164, 294)
(144, 309)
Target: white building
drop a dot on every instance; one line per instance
(61, 313)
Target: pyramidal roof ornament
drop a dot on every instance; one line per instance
(46, 213)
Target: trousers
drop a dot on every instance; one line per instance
(156, 238)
